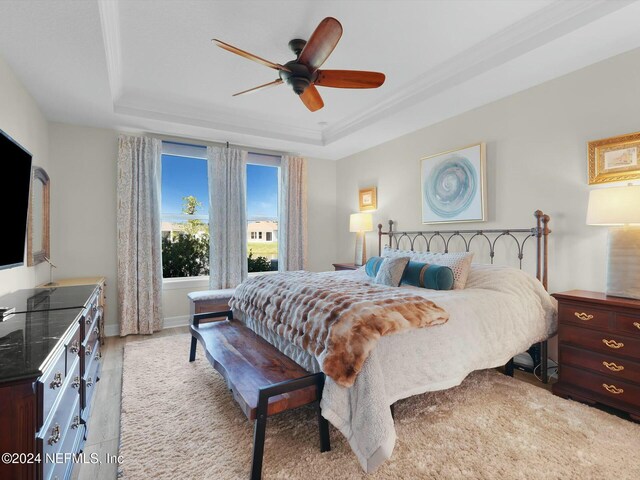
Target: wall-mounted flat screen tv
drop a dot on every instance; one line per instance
(15, 183)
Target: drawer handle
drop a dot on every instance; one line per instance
(90, 382)
(56, 382)
(89, 351)
(613, 367)
(88, 321)
(612, 343)
(55, 435)
(96, 331)
(75, 347)
(76, 382)
(583, 316)
(613, 389)
(637, 325)
(76, 422)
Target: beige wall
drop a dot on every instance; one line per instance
(83, 206)
(536, 156)
(22, 120)
(321, 210)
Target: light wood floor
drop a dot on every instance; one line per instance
(104, 422)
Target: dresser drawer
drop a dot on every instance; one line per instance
(629, 324)
(91, 377)
(51, 435)
(614, 367)
(57, 466)
(50, 384)
(601, 342)
(72, 347)
(602, 385)
(584, 314)
(93, 332)
(92, 315)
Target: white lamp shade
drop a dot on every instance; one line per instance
(614, 206)
(360, 222)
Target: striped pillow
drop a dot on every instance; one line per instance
(372, 266)
(428, 275)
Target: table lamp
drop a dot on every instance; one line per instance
(619, 208)
(360, 223)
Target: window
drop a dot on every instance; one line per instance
(184, 211)
(263, 172)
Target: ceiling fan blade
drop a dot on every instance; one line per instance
(250, 56)
(322, 42)
(349, 79)
(259, 87)
(311, 98)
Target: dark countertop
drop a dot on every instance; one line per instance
(41, 299)
(26, 339)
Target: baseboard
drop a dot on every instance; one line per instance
(169, 322)
(179, 321)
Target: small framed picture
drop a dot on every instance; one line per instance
(368, 200)
(615, 159)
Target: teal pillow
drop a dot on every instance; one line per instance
(372, 266)
(428, 275)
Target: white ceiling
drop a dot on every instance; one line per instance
(150, 66)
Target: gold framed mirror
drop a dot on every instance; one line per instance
(38, 247)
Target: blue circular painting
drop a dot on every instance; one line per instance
(451, 186)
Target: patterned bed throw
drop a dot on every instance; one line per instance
(339, 321)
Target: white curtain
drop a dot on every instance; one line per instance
(138, 230)
(292, 237)
(227, 216)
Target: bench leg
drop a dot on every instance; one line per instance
(258, 446)
(323, 425)
(192, 351)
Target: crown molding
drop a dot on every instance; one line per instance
(548, 24)
(228, 122)
(110, 22)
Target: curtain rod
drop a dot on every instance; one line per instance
(205, 143)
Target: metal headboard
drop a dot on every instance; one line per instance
(519, 235)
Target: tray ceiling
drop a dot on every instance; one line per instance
(150, 65)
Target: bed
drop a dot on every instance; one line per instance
(501, 312)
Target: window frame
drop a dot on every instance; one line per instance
(194, 149)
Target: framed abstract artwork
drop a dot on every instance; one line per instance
(615, 159)
(367, 199)
(453, 186)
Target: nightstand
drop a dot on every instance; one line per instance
(599, 346)
(345, 266)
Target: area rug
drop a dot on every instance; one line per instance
(179, 421)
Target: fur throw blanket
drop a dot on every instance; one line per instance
(338, 321)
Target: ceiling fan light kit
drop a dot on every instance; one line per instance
(303, 73)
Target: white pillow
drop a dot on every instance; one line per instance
(459, 263)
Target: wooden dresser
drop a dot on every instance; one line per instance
(49, 365)
(599, 347)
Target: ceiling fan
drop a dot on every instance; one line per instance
(303, 73)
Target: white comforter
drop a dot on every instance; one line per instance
(501, 312)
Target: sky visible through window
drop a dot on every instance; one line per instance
(183, 176)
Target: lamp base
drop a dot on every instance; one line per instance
(361, 250)
(623, 270)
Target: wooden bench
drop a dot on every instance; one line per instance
(263, 380)
(205, 301)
